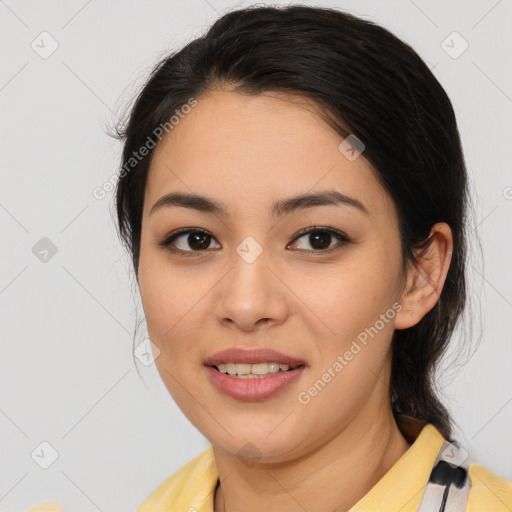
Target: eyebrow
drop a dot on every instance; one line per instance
(278, 209)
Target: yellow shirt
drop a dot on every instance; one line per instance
(192, 487)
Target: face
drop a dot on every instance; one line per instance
(250, 278)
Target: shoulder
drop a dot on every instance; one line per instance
(489, 492)
(190, 485)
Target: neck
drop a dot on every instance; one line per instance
(333, 478)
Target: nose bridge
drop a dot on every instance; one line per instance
(252, 264)
(250, 276)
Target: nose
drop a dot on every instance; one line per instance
(252, 295)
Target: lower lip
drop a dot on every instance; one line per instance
(253, 389)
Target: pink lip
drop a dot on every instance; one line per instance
(252, 356)
(253, 389)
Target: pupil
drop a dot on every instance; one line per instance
(194, 237)
(323, 238)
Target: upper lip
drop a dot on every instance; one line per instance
(252, 356)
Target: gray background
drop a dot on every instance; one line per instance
(66, 372)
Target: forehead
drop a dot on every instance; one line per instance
(241, 148)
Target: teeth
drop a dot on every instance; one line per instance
(247, 370)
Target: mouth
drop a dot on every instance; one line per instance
(249, 386)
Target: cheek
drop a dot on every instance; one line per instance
(160, 297)
(354, 300)
(355, 303)
(175, 303)
(171, 303)
(164, 294)
(352, 295)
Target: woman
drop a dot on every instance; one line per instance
(293, 194)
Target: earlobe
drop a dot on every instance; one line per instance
(425, 279)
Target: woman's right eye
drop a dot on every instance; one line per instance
(197, 239)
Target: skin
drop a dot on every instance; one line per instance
(249, 151)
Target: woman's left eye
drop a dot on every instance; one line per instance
(199, 240)
(321, 238)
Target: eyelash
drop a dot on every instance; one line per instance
(168, 240)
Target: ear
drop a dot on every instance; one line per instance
(425, 279)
